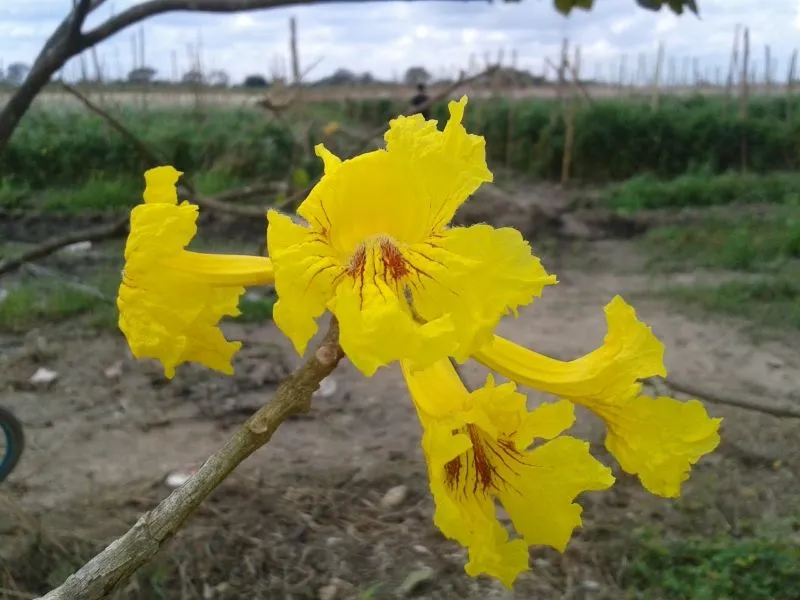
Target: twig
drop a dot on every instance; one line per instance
(123, 557)
(745, 403)
(91, 234)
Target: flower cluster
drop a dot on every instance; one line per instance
(376, 249)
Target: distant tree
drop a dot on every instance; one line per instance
(193, 77)
(366, 78)
(340, 77)
(255, 81)
(16, 73)
(416, 75)
(141, 75)
(219, 78)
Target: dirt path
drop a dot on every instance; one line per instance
(93, 431)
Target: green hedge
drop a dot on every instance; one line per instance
(616, 140)
(66, 148)
(704, 189)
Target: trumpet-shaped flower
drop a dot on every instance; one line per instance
(477, 448)
(378, 253)
(657, 439)
(171, 299)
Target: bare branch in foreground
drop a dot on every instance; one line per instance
(123, 557)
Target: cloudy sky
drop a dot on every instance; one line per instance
(387, 37)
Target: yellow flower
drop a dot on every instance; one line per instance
(378, 253)
(171, 299)
(330, 128)
(477, 449)
(376, 250)
(657, 439)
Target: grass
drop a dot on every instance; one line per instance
(769, 248)
(37, 302)
(701, 189)
(256, 309)
(101, 193)
(715, 569)
(34, 303)
(747, 245)
(67, 149)
(772, 301)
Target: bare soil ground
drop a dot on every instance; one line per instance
(305, 517)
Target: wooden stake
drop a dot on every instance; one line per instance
(790, 88)
(767, 69)
(743, 100)
(734, 63)
(569, 119)
(656, 95)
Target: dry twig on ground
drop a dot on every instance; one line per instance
(115, 229)
(739, 402)
(123, 557)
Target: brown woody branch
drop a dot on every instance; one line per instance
(68, 40)
(123, 557)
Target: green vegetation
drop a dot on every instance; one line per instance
(768, 248)
(709, 569)
(759, 245)
(772, 301)
(256, 309)
(702, 189)
(38, 302)
(54, 149)
(616, 139)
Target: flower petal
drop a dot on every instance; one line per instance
(656, 439)
(659, 439)
(477, 275)
(330, 161)
(540, 499)
(630, 352)
(451, 164)
(376, 326)
(171, 300)
(473, 458)
(305, 272)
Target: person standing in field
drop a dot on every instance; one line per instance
(419, 100)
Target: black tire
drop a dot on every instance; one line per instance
(11, 431)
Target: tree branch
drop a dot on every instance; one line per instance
(123, 557)
(154, 7)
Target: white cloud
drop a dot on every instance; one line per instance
(386, 37)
